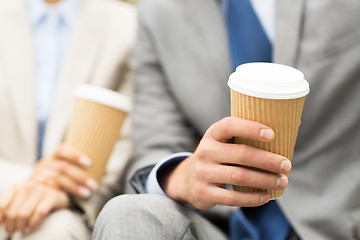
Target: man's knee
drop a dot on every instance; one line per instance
(116, 218)
(126, 208)
(136, 216)
(134, 204)
(118, 205)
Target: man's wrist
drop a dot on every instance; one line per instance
(156, 175)
(164, 173)
(173, 185)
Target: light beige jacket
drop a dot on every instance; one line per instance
(100, 45)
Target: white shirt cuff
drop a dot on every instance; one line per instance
(152, 183)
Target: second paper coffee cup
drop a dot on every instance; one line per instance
(274, 95)
(95, 124)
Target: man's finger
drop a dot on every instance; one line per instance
(248, 177)
(238, 199)
(244, 155)
(230, 127)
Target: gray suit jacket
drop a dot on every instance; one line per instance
(182, 65)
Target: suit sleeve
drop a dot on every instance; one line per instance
(159, 126)
(11, 173)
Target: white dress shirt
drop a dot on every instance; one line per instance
(266, 12)
(51, 29)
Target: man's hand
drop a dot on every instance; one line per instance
(24, 206)
(65, 170)
(201, 178)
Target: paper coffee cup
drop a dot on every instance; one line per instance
(95, 124)
(274, 95)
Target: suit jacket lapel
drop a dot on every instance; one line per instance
(288, 31)
(17, 54)
(208, 23)
(76, 69)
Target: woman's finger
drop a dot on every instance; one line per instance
(28, 207)
(72, 155)
(51, 200)
(5, 200)
(72, 187)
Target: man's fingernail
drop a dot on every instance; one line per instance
(285, 166)
(84, 192)
(281, 182)
(265, 198)
(85, 161)
(27, 230)
(266, 134)
(91, 183)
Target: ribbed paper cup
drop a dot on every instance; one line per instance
(97, 117)
(274, 95)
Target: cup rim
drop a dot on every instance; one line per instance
(103, 96)
(263, 85)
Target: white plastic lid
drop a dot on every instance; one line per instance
(269, 80)
(103, 96)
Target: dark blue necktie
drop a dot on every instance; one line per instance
(249, 43)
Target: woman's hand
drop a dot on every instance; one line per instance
(65, 169)
(24, 206)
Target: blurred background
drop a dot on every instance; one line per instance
(130, 1)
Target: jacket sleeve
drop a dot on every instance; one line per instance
(159, 126)
(11, 173)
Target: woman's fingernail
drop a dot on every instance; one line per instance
(91, 183)
(84, 192)
(285, 166)
(27, 230)
(281, 182)
(85, 161)
(265, 198)
(266, 134)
